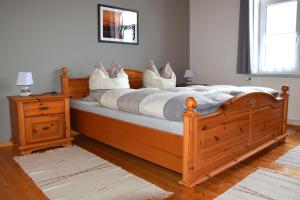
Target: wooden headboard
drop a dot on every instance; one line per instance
(79, 87)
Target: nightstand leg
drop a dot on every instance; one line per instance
(25, 152)
(67, 145)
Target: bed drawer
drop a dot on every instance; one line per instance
(44, 128)
(43, 108)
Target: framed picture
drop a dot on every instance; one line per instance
(117, 25)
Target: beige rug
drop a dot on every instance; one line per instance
(74, 173)
(264, 184)
(290, 159)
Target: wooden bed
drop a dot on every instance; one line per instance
(240, 128)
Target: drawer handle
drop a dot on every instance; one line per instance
(44, 108)
(46, 128)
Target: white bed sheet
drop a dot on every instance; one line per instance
(151, 122)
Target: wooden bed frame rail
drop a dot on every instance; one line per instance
(240, 128)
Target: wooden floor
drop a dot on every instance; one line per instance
(15, 184)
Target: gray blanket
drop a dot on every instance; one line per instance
(170, 104)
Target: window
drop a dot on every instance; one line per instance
(273, 26)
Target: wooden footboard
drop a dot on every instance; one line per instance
(242, 127)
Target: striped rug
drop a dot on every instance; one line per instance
(264, 184)
(290, 159)
(74, 173)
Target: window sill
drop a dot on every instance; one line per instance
(277, 75)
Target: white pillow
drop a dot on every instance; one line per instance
(152, 68)
(166, 71)
(99, 79)
(154, 80)
(114, 70)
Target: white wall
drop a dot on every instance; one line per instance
(214, 40)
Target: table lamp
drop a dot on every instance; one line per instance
(25, 80)
(188, 75)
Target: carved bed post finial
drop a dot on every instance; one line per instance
(285, 90)
(64, 72)
(64, 80)
(285, 95)
(191, 104)
(190, 118)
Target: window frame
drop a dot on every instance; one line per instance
(262, 22)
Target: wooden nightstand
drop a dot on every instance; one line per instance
(39, 122)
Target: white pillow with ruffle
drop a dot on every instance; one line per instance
(152, 79)
(100, 79)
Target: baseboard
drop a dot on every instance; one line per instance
(5, 143)
(294, 122)
(293, 126)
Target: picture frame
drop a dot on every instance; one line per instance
(118, 25)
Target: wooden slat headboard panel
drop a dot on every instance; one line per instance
(79, 87)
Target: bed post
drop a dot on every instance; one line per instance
(64, 80)
(285, 95)
(190, 122)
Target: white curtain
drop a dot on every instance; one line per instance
(254, 35)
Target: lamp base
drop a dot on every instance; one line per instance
(25, 92)
(188, 81)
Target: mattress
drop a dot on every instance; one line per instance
(175, 127)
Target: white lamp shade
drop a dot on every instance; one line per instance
(25, 78)
(188, 73)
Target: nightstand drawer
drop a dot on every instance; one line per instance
(44, 128)
(43, 108)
